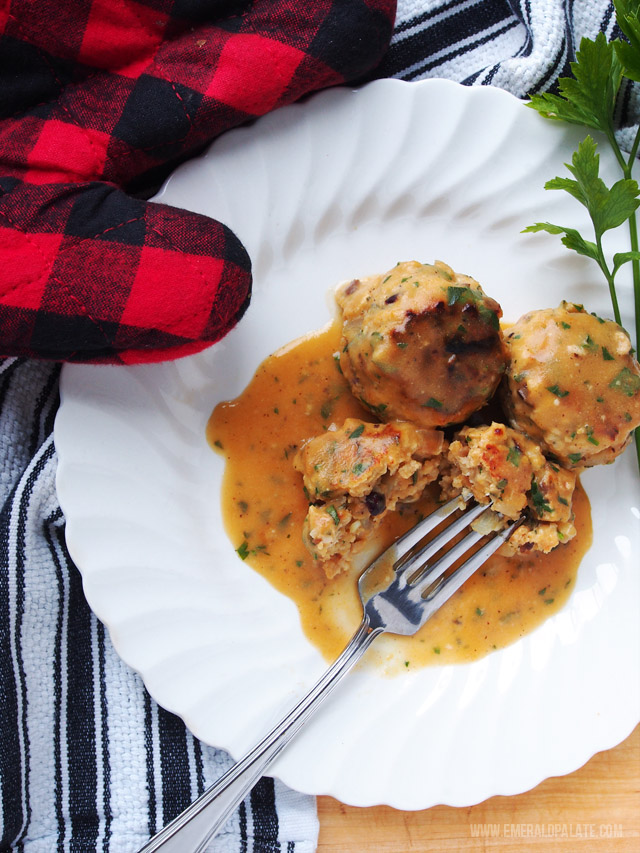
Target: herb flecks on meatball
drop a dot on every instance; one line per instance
(421, 343)
(499, 464)
(353, 475)
(573, 384)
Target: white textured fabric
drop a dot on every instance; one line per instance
(522, 46)
(88, 762)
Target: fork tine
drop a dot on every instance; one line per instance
(426, 574)
(445, 587)
(413, 536)
(427, 550)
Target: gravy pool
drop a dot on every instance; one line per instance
(295, 394)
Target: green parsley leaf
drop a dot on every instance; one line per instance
(621, 258)
(559, 392)
(608, 208)
(357, 431)
(513, 455)
(539, 503)
(588, 98)
(432, 403)
(334, 514)
(572, 239)
(460, 295)
(490, 317)
(628, 54)
(627, 382)
(590, 436)
(379, 409)
(465, 295)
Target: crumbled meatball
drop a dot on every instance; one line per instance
(354, 475)
(332, 533)
(497, 463)
(421, 343)
(572, 384)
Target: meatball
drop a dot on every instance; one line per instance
(498, 463)
(421, 343)
(572, 384)
(354, 475)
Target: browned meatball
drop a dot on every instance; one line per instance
(354, 474)
(421, 343)
(573, 384)
(500, 464)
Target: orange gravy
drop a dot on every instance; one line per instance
(295, 394)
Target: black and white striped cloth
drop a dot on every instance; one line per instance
(88, 762)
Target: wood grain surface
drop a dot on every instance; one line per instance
(595, 809)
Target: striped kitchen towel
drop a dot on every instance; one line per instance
(88, 762)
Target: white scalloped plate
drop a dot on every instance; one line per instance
(344, 185)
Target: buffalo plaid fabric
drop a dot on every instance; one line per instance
(99, 98)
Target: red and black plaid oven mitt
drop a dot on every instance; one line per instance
(98, 98)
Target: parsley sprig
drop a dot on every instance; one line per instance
(589, 99)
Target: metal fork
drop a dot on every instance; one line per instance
(420, 585)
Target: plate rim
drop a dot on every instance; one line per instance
(66, 395)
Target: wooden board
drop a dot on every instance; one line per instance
(595, 809)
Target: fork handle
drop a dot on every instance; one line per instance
(191, 830)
